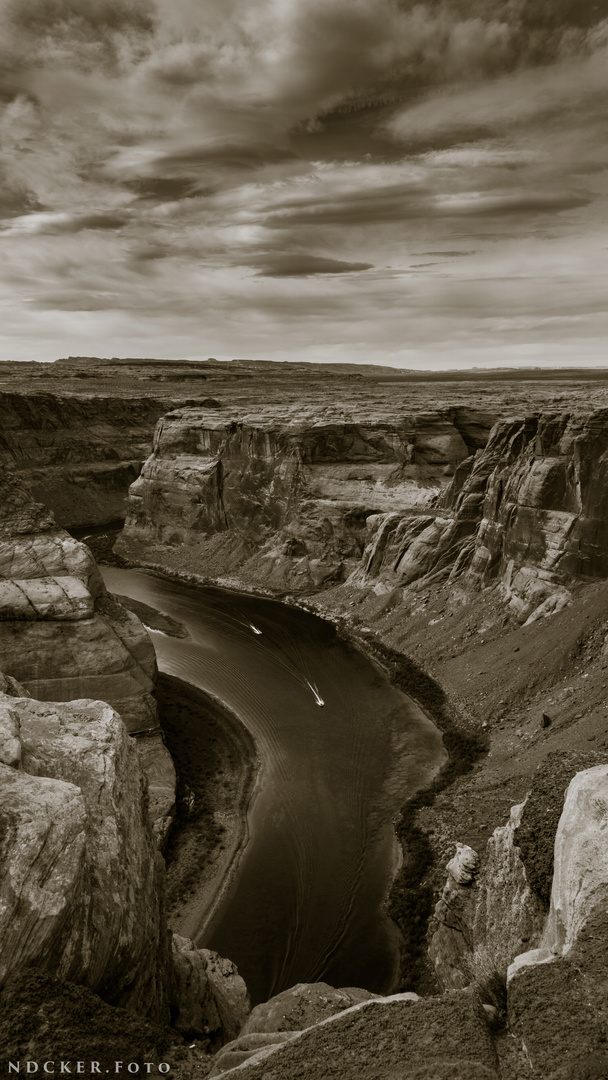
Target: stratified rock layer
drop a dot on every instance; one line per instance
(62, 637)
(297, 502)
(79, 452)
(289, 495)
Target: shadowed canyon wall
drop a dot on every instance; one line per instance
(78, 453)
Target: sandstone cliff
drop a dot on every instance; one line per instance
(282, 501)
(528, 511)
(299, 503)
(81, 879)
(62, 636)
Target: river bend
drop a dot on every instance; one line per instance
(305, 902)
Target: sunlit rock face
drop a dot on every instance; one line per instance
(529, 511)
(289, 495)
(62, 637)
(303, 502)
(557, 992)
(81, 879)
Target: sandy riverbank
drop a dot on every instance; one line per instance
(216, 763)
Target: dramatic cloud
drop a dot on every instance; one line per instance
(303, 266)
(264, 178)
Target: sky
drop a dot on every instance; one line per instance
(380, 181)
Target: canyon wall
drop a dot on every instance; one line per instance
(283, 501)
(78, 453)
(297, 504)
(62, 637)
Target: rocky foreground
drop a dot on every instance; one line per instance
(468, 537)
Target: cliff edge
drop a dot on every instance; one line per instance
(63, 638)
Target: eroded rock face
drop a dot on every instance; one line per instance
(451, 941)
(291, 494)
(62, 637)
(301, 503)
(78, 452)
(528, 510)
(81, 882)
(487, 913)
(212, 997)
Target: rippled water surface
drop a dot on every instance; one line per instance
(305, 903)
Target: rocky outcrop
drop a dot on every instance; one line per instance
(62, 637)
(486, 913)
(508, 914)
(580, 875)
(284, 1017)
(43, 1019)
(302, 1006)
(558, 1007)
(212, 997)
(284, 500)
(81, 880)
(421, 1038)
(451, 940)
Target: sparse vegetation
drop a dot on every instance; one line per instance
(536, 834)
(209, 753)
(410, 901)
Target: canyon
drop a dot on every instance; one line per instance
(457, 530)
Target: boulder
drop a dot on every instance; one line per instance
(399, 1036)
(212, 999)
(302, 1006)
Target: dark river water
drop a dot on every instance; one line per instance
(305, 902)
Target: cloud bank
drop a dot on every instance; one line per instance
(202, 178)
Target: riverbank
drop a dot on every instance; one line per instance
(216, 764)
